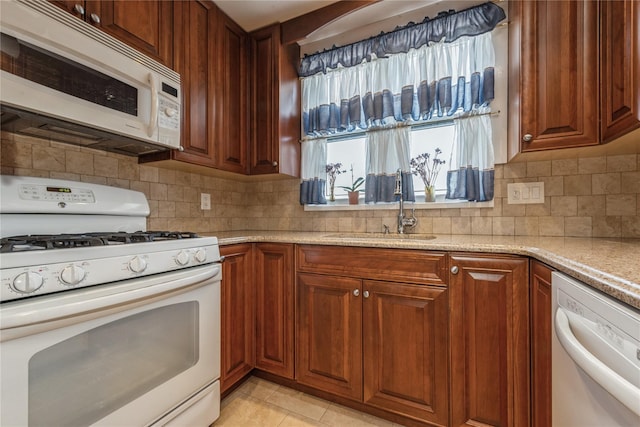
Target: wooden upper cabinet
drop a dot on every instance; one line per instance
(144, 25)
(540, 288)
(237, 348)
(196, 24)
(274, 283)
(619, 67)
(553, 57)
(489, 308)
(275, 104)
(233, 146)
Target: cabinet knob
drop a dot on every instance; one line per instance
(454, 269)
(356, 292)
(365, 294)
(78, 9)
(274, 164)
(527, 137)
(95, 18)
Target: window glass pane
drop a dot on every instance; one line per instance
(426, 140)
(351, 151)
(86, 377)
(348, 152)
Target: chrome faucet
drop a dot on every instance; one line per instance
(402, 220)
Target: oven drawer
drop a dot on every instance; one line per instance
(125, 363)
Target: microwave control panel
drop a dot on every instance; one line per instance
(168, 114)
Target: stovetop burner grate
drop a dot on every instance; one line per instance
(63, 241)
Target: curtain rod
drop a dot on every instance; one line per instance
(416, 125)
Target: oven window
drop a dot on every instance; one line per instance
(84, 378)
(55, 72)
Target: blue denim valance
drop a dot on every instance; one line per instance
(447, 26)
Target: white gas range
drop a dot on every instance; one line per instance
(122, 323)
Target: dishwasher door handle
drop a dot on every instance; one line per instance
(616, 385)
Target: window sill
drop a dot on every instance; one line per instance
(440, 203)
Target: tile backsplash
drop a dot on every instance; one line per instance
(584, 196)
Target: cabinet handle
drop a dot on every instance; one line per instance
(365, 294)
(527, 137)
(356, 292)
(454, 269)
(79, 9)
(274, 164)
(95, 18)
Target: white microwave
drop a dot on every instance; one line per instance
(63, 79)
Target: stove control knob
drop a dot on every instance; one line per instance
(201, 255)
(27, 282)
(72, 275)
(137, 264)
(182, 258)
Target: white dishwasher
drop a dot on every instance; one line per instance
(595, 358)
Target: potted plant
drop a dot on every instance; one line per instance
(428, 170)
(353, 191)
(333, 170)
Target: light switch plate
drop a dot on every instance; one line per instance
(205, 201)
(521, 193)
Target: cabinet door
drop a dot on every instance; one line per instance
(489, 341)
(619, 67)
(274, 308)
(146, 25)
(195, 46)
(329, 339)
(275, 104)
(233, 145)
(237, 315)
(554, 67)
(74, 7)
(405, 350)
(540, 345)
(265, 57)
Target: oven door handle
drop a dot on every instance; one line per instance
(624, 391)
(31, 316)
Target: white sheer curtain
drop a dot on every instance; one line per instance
(471, 174)
(313, 172)
(387, 151)
(435, 80)
(382, 95)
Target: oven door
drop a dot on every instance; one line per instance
(123, 354)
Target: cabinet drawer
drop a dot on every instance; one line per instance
(397, 265)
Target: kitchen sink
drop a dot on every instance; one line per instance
(389, 236)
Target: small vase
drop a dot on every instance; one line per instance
(332, 196)
(353, 197)
(429, 193)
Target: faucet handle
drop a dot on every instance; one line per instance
(386, 229)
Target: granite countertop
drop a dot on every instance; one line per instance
(609, 265)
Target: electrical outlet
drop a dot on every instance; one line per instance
(205, 201)
(520, 193)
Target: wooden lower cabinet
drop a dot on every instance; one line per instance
(381, 343)
(489, 306)
(274, 282)
(237, 315)
(405, 350)
(329, 334)
(540, 282)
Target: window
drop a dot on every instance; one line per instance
(440, 77)
(350, 150)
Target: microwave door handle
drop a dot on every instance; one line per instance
(153, 121)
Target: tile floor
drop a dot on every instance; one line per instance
(261, 403)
